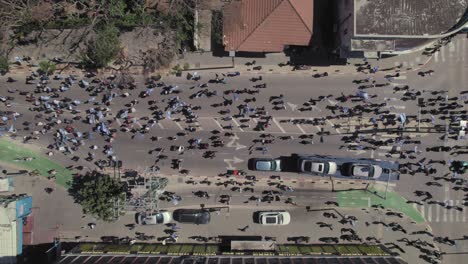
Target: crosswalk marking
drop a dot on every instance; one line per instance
(429, 213)
(450, 211)
(436, 56)
(463, 49)
(442, 53)
(448, 215)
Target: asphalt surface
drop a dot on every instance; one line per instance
(142, 150)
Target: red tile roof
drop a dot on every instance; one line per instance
(267, 25)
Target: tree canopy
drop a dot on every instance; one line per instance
(99, 195)
(103, 48)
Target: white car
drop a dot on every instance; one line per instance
(162, 217)
(318, 167)
(274, 218)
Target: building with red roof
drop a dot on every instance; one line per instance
(267, 25)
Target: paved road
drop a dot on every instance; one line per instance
(450, 69)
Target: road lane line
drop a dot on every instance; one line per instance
(300, 128)
(277, 123)
(237, 124)
(219, 125)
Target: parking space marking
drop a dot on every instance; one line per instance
(199, 127)
(277, 123)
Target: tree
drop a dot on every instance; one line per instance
(103, 48)
(99, 195)
(4, 65)
(47, 67)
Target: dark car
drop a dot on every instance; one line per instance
(192, 216)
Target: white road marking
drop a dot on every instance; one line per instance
(463, 49)
(178, 125)
(293, 106)
(318, 128)
(277, 123)
(160, 125)
(442, 54)
(457, 213)
(237, 124)
(219, 125)
(372, 154)
(422, 211)
(332, 102)
(464, 216)
(300, 128)
(429, 213)
(444, 212)
(255, 120)
(418, 59)
(436, 56)
(450, 211)
(437, 213)
(138, 124)
(199, 127)
(118, 122)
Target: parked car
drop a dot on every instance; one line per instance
(274, 218)
(361, 170)
(192, 216)
(315, 166)
(162, 217)
(265, 164)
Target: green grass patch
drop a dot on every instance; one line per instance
(362, 199)
(10, 151)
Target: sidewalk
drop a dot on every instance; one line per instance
(275, 63)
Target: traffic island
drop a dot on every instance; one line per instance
(17, 155)
(372, 197)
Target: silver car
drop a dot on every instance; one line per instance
(361, 170)
(158, 218)
(274, 218)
